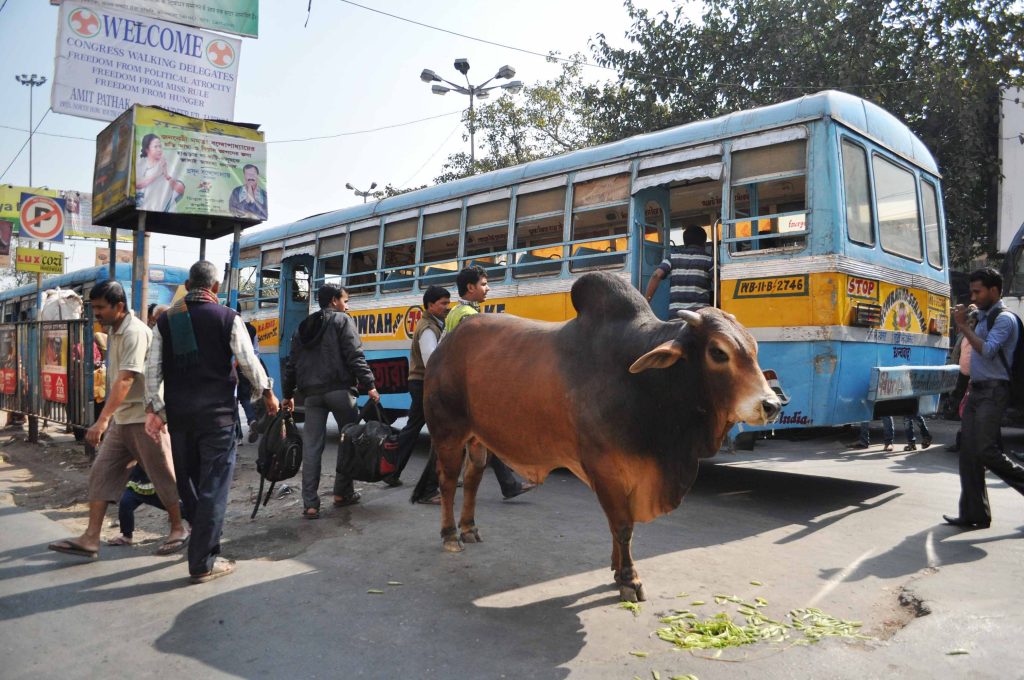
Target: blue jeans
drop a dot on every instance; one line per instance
(887, 425)
(908, 427)
(204, 463)
(130, 501)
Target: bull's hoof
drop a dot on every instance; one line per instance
(471, 536)
(453, 545)
(632, 593)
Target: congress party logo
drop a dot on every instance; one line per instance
(220, 53)
(84, 22)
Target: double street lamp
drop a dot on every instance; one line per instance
(31, 82)
(481, 91)
(364, 194)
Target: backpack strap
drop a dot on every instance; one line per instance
(259, 493)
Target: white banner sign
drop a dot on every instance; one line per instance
(240, 17)
(107, 61)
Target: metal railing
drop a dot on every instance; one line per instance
(46, 370)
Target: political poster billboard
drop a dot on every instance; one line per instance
(240, 17)
(183, 166)
(107, 60)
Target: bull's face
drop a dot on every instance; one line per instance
(728, 358)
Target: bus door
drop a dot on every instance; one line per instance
(650, 230)
(296, 292)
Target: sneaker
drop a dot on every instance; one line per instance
(910, 447)
(253, 434)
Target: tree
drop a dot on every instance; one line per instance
(939, 65)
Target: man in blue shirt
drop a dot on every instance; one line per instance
(992, 342)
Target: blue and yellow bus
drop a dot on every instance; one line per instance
(19, 304)
(825, 220)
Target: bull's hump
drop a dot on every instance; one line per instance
(601, 296)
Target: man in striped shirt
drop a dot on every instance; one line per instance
(689, 273)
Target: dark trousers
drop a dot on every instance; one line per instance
(129, 503)
(980, 450)
(342, 405)
(204, 463)
(411, 432)
(510, 486)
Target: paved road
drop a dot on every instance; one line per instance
(848, 533)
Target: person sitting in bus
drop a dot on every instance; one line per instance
(326, 363)
(689, 273)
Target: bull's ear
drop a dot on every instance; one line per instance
(662, 356)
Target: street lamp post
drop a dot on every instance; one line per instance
(364, 194)
(480, 91)
(32, 82)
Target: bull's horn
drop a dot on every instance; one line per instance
(689, 316)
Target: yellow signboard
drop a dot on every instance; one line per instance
(43, 261)
(268, 334)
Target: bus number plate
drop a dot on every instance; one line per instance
(773, 286)
(862, 288)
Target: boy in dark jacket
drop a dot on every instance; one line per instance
(327, 365)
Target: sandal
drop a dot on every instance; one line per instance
(311, 513)
(434, 499)
(887, 447)
(910, 447)
(342, 501)
(119, 540)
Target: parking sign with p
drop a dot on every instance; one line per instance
(42, 218)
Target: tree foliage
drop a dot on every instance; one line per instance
(938, 65)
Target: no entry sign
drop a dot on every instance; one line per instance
(42, 218)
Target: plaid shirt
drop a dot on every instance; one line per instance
(242, 348)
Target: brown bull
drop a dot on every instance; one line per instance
(625, 401)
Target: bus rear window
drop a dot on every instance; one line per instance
(899, 226)
(932, 236)
(856, 189)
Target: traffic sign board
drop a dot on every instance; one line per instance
(42, 218)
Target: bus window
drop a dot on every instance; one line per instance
(330, 256)
(270, 278)
(856, 189)
(362, 261)
(899, 225)
(439, 264)
(932, 237)
(399, 251)
(246, 287)
(601, 212)
(539, 221)
(769, 196)
(487, 237)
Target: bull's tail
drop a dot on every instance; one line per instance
(429, 474)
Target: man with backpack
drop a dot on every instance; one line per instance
(994, 345)
(326, 363)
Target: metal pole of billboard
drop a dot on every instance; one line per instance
(112, 262)
(32, 82)
(233, 272)
(139, 267)
(202, 241)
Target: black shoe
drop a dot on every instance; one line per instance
(965, 524)
(392, 480)
(926, 442)
(858, 445)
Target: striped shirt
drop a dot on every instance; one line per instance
(689, 278)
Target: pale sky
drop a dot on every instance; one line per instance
(349, 70)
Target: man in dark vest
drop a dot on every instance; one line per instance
(424, 341)
(192, 355)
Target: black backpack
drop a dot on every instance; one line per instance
(368, 451)
(280, 454)
(1016, 371)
